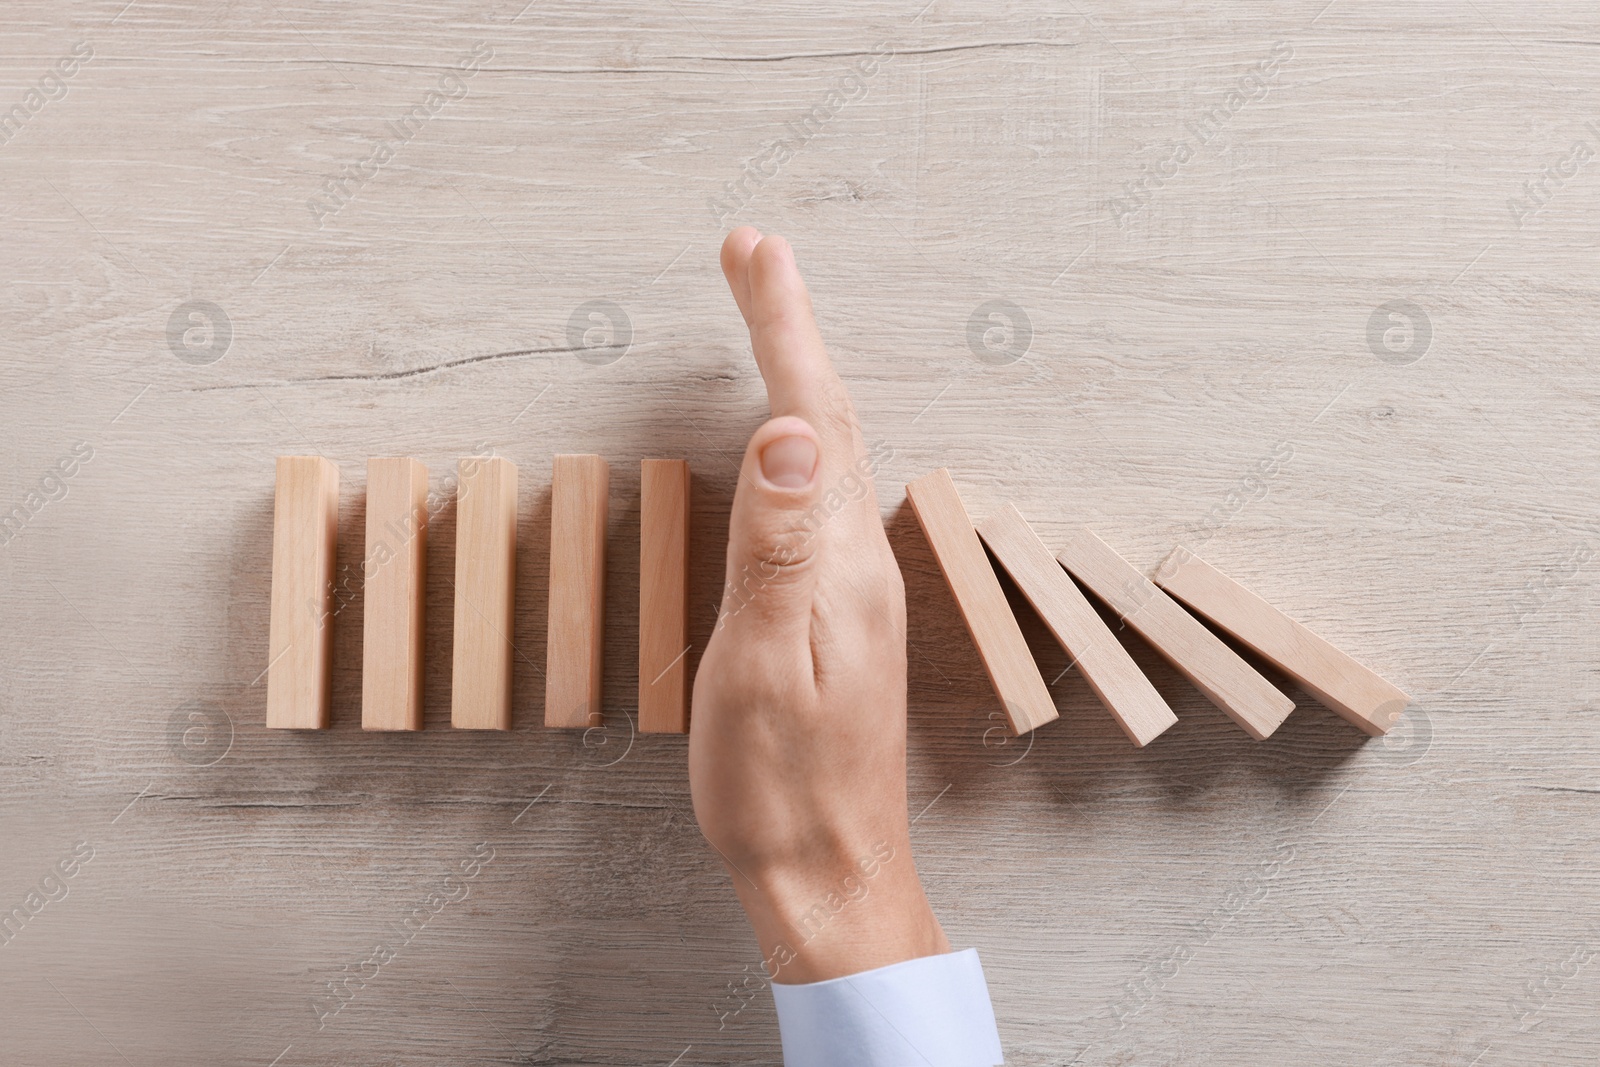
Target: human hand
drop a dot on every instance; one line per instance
(797, 749)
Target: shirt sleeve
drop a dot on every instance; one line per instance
(927, 1012)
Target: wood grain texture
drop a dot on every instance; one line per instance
(580, 488)
(394, 584)
(1198, 370)
(1124, 690)
(1236, 688)
(1359, 694)
(664, 508)
(485, 586)
(305, 529)
(982, 604)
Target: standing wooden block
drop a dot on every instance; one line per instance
(486, 574)
(664, 596)
(1230, 683)
(577, 591)
(1354, 691)
(982, 602)
(305, 525)
(1106, 665)
(392, 596)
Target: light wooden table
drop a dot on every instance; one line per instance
(1001, 301)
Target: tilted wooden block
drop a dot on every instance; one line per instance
(1119, 683)
(486, 571)
(305, 524)
(1358, 694)
(982, 602)
(664, 596)
(392, 596)
(578, 494)
(1230, 683)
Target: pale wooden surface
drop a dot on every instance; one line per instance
(1318, 897)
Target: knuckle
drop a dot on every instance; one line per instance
(834, 407)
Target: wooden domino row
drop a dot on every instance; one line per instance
(1352, 690)
(304, 534)
(305, 525)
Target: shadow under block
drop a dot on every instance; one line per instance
(664, 596)
(1119, 683)
(1358, 694)
(486, 574)
(982, 602)
(1235, 687)
(392, 595)
(578, 491)
(305, 525)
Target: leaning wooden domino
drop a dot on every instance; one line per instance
(664, 596)
(485, 581)
(1199, 655)
(392, 594)
(982, 602)
(578, 492)
(1358, 694)
(305, 521)
(1119, 683)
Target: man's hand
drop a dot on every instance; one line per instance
(797, 751)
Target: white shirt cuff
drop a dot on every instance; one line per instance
(927, 1012)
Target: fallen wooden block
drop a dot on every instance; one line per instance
(486, 572)
(392, 594)
(1358, 694)
(578, 493)
(1119, 683)
(1199, 655)
(982, 602)
(305, 524)
(664, 596)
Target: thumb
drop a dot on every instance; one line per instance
(771, 534)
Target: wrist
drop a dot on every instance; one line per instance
(851, 915)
